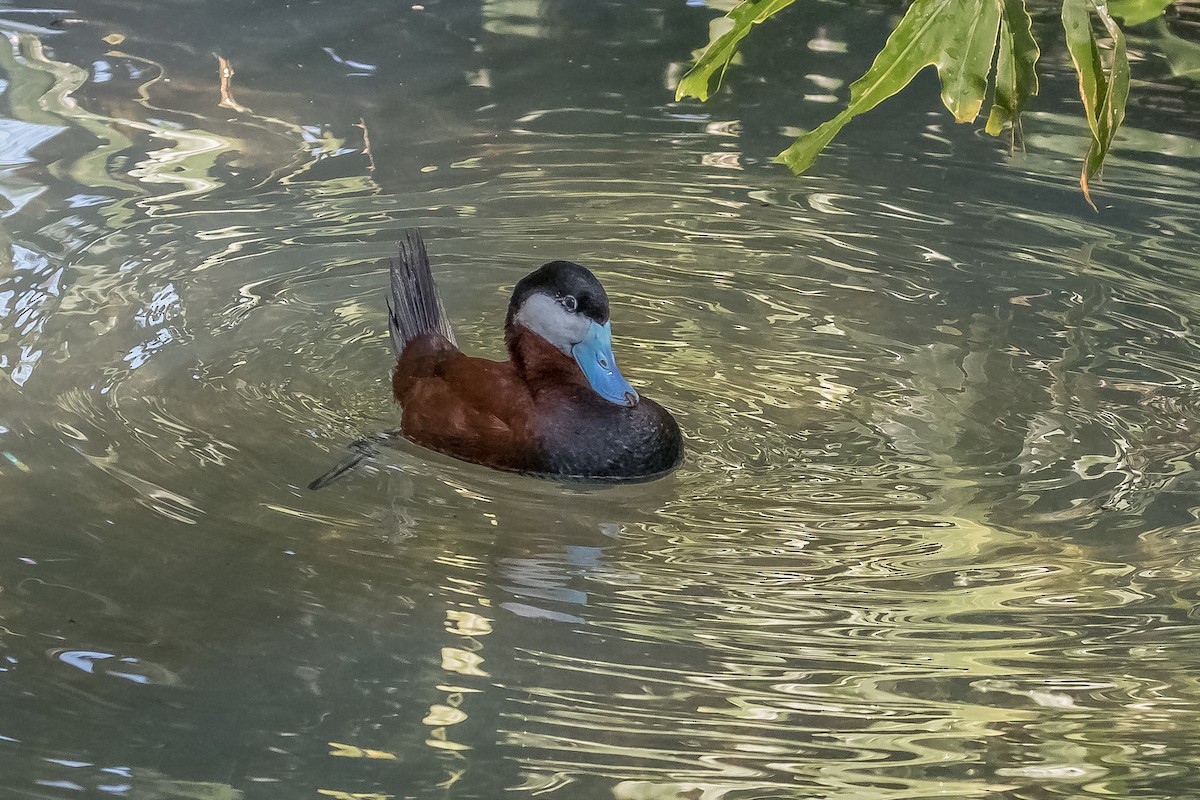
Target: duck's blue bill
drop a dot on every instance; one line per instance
(595, 357)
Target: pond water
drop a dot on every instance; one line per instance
(933, 535)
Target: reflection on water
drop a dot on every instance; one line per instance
(933, 536)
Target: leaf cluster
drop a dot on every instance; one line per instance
(975, 45)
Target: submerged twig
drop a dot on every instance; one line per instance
(362, 123)
(225, 71)
(361, 450)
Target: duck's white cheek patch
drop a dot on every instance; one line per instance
(544, 316)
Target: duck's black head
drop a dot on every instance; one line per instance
(563, 303)
(571, 285)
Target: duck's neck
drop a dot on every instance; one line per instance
(540, 363)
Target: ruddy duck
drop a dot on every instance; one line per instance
(558, 408)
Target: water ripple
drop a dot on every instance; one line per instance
(934, 535)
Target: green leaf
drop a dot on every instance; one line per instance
(1016, 78)
(1104, 91)
(1135, 12)
(965, 62)
(705, 75)
(956, 36)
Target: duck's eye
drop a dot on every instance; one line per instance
(570, 303)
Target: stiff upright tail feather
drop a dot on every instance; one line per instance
(414, 307)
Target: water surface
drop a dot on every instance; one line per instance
(933, 536)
